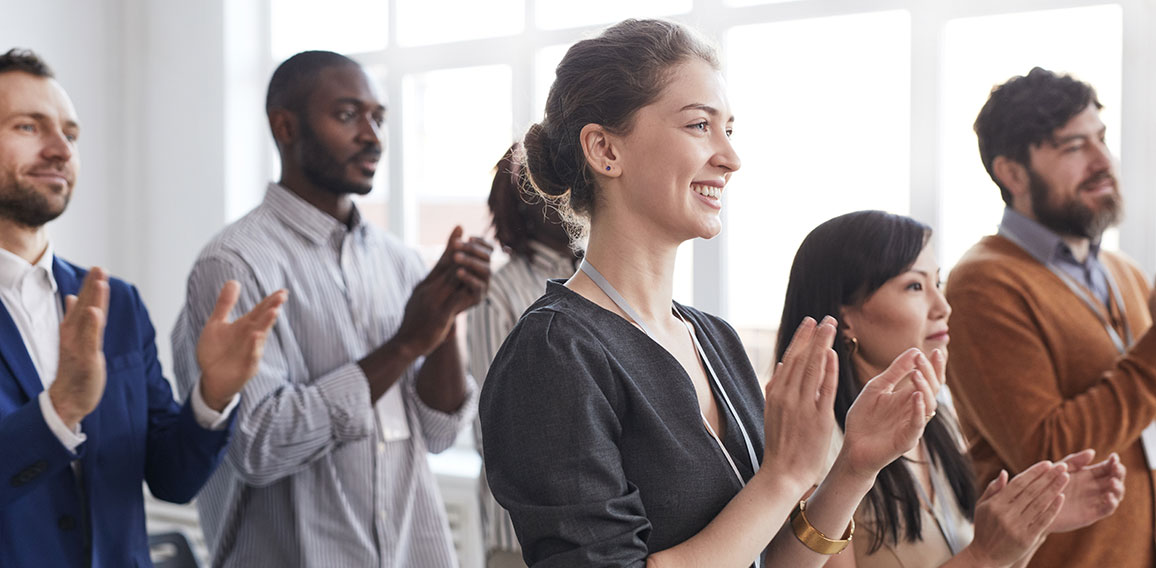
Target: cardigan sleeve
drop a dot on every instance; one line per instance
(549, 414)
(1002, 373)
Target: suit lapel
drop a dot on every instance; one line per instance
(16, 356)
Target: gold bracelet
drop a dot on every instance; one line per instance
(812, 538)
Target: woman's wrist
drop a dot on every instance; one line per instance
(854, 476)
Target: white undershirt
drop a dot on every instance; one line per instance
(29, 293)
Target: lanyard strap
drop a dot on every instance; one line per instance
(1121, 343)
(946, 522)
(623, 305)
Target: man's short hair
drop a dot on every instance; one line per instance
(1026, 111)
(25, 60)
(295, 78)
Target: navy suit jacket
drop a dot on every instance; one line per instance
(49, 516)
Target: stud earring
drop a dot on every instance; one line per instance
(607, 168)
(852, 345)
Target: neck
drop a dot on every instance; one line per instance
(1080, 246)
(639, 268)
(26, 242)
(336, 205)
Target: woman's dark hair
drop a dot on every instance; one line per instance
(603, 80)
(842, 262)
(1025, 111)
(511, 205)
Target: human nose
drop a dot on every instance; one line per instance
(725, 156)
(57, 146)
(941, 308)
(1102, 156)
(370, 131)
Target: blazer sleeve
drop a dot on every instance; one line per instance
(180, 454)
(282, 425)
(32, 453)
(549, 415)
(1001, 373)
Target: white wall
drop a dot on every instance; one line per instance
(148, 82)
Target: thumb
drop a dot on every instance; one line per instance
(895, 372)
(1079, 460)
(995, 486)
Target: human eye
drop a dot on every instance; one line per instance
(346, 115)
(29, 127)
(701, 126)
(915, 287)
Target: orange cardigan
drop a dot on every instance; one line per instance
(1035, 376)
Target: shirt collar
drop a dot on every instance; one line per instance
(1044, 244)
(311, 222)
(13, 268)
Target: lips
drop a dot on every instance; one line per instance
(938, 336)
(51, 176)
(1100, 183)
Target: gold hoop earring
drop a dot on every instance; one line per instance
(852, 345)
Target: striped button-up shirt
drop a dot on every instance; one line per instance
(314, 476)
(512, 289)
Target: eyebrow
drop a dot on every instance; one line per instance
(705, 107)
(1075, 137)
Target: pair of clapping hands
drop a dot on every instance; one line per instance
(227, 352)
(887, 420)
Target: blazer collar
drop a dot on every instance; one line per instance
(12, 348)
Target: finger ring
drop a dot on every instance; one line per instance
(930, 416)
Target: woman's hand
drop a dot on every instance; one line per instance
(1012, 517)
(799, 415)
(1093, 492)
(888, 417)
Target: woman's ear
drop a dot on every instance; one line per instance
(847, 316)
(598, 145)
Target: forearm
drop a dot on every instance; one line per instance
(741, 530)
(441, 382)
(386, 364)
(829, 510)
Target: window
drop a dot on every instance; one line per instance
(840, 106)
(985, 51)
(822, 125)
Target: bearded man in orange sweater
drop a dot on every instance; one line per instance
(1051, 351)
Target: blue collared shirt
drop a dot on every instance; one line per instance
(1047, 247)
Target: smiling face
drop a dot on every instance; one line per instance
(677, 157)
(38, 159)
(909, 310)
(341, 131)
(1073, 186)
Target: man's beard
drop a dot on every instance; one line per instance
(1073, 217)
(324, 170)
(23, 204)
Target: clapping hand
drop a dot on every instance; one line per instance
(81, 374)
(229, 353)
(457, 281)
(1012, 517)
(1093, 493)
(887, 418)
(800, 398)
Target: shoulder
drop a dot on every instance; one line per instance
(992, 257)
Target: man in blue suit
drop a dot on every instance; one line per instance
(85, 414)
